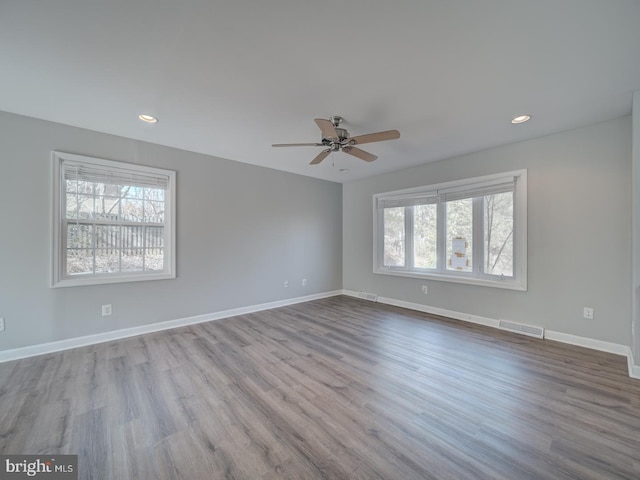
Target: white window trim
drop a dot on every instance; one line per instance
(57, 274)
(519, 279)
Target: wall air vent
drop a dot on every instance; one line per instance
(372, 297)
(529, 330)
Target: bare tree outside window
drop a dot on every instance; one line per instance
(425, 235)
(470, 231)
(498, 234)
(394, 237)
(113, 221)
(114, 228)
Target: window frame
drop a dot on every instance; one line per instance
(58, 276)
(419, 194)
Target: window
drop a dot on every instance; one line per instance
(470, 231)
(113, 222)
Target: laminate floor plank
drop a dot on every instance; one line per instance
(338, 388)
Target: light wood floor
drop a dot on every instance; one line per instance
(333, 389)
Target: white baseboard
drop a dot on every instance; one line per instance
(634, 370)
(466, 317)
(43, 348)
(40, 349)
(587, 342)
(624, 350)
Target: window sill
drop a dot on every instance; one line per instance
(507, 284)
(79, 280)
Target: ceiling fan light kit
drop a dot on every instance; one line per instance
(337, 139)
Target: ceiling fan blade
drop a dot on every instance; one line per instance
(297, 145)
(361, 154)
(328, 130)
(321, 156)
(374, 137)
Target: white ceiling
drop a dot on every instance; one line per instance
(230, 77)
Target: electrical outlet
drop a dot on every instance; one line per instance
(106, 310)
(286, 284)
(588, 313)
(304, 282)
(1, 324)
(425, 289)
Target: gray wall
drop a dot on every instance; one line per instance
(636, 228)
(241, 231)
(579, 233)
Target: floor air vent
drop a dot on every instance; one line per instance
(368, 296)
(532, 331)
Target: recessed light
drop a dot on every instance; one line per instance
(520, 119)
(148, 118)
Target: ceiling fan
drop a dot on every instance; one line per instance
(337, 139)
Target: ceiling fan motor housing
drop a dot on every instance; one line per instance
(342, 136)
